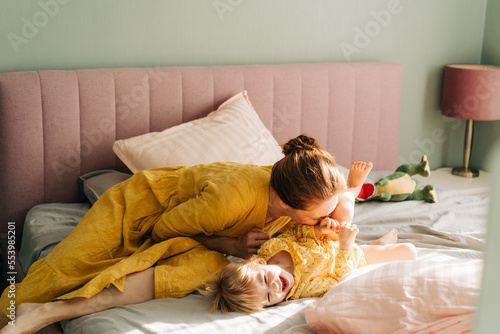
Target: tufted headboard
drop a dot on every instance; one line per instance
(58, 125)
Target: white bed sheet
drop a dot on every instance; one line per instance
(454, 229)
(189, 315)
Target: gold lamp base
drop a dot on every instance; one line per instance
(465, 172)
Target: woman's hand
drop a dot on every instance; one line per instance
(347, 235)
(155, 236)
(243, 247)
(250, 243)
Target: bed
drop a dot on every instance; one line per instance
(66, 136)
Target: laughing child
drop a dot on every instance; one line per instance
(302, 262)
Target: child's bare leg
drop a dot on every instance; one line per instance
(31, 317)
(357, 175)
(387, 253)
(389, 238)
(344, 212)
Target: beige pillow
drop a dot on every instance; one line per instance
(234, 132)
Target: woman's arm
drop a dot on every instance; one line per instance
(197, 215)
(215, 208)
(243, 247)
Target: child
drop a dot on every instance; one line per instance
(302, 262)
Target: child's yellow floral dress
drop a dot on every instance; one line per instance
(318, 262)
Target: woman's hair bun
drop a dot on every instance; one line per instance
(300, 143)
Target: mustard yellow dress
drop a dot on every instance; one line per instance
(114, 238)
(318, 263)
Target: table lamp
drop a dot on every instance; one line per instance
(471, 92)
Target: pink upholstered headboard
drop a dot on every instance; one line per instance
(57, 125)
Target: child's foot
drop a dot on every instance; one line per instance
(389, 238)
(358, 173)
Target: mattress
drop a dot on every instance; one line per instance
(454, 229)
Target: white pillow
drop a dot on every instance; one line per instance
(421, 296)
(234, 132)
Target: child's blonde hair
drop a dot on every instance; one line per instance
(230, 290)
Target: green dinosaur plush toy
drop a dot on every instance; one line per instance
(400, 186)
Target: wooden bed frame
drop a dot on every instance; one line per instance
(58, 125)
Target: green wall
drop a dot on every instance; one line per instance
(422, 35)
(486, 133)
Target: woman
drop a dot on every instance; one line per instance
(149, 236)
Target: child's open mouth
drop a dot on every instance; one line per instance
(284, 283)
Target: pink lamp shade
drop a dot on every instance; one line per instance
(471, 92)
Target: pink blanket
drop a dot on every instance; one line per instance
(421, 296)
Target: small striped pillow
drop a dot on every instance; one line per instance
(234, 132)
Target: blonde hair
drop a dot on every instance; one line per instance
(306, 175)
(230, 290)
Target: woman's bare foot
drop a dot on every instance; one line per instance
(389, 238)
(28, 320)
(357, 176)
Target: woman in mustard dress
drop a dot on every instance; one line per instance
(164, 232)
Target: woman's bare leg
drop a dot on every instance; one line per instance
(387, 253)
(31, 317)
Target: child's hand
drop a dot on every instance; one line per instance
(347, 235)
(327, 227)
